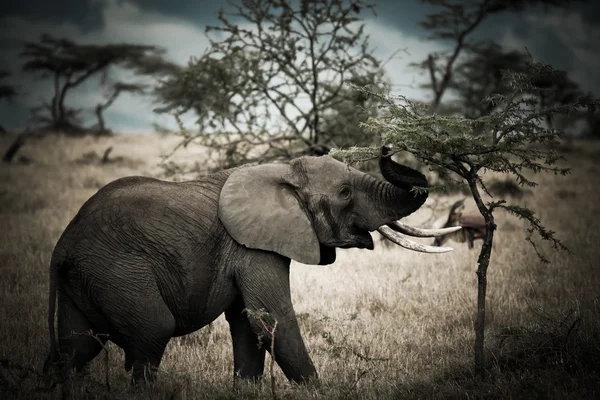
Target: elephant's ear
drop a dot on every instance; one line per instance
(260, 210)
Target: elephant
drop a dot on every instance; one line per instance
(145, 260)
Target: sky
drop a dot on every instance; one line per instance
(568, 39)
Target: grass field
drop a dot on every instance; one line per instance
(388, 323)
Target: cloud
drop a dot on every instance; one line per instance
(15, 30)
(583, 39)
(126, 22)
(387, 40)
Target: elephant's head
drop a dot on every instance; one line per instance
(306, 208)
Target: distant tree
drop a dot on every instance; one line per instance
(478, 75)
(512, 138)
(7, 92)
(562, 90)
(274, 86)
(454, 22)
(112, 93)
(341, 122)
(592, 115)
(70, 64)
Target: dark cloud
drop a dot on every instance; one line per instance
(549, 48)
(83, 13)
(87, 14)
(197, 11)
(589, 10)
(404, 15)
(14, 114)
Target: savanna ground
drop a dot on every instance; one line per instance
(382, 324)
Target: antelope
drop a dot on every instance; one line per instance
(471, 220)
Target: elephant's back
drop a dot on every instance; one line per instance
(140, 215)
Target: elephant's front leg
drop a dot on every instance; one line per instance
(265, 289)
(248, 356)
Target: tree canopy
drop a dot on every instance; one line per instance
(272, 85)
(70, 64)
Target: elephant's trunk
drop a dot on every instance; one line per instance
(395, 198)
(405, 179)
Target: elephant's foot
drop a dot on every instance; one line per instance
(144, 373)
(247, 387)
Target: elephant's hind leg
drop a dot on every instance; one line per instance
(146, 359)
(248, 356)
(153, 327)
(147, 334)
(131, 302)
(77, 338)
(145, 325)
(78, 344)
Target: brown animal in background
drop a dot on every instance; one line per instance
(471, 220)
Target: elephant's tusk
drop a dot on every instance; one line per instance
(390, 234)
(419, 232)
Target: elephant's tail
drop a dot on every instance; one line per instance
(53, 355)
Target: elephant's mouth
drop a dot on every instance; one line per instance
(361, 239)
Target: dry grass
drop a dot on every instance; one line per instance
(382, 324)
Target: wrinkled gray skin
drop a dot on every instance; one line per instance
(146, 260)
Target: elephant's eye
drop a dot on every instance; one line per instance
(345, 193)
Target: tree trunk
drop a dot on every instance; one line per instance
(101, 107)
(15, 146)
(62, 115)
(483, 262)
(101, 126)
(54, 104)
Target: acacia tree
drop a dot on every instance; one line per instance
(512, 139)
(507, 102)
(273, 79)
(70, 64)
